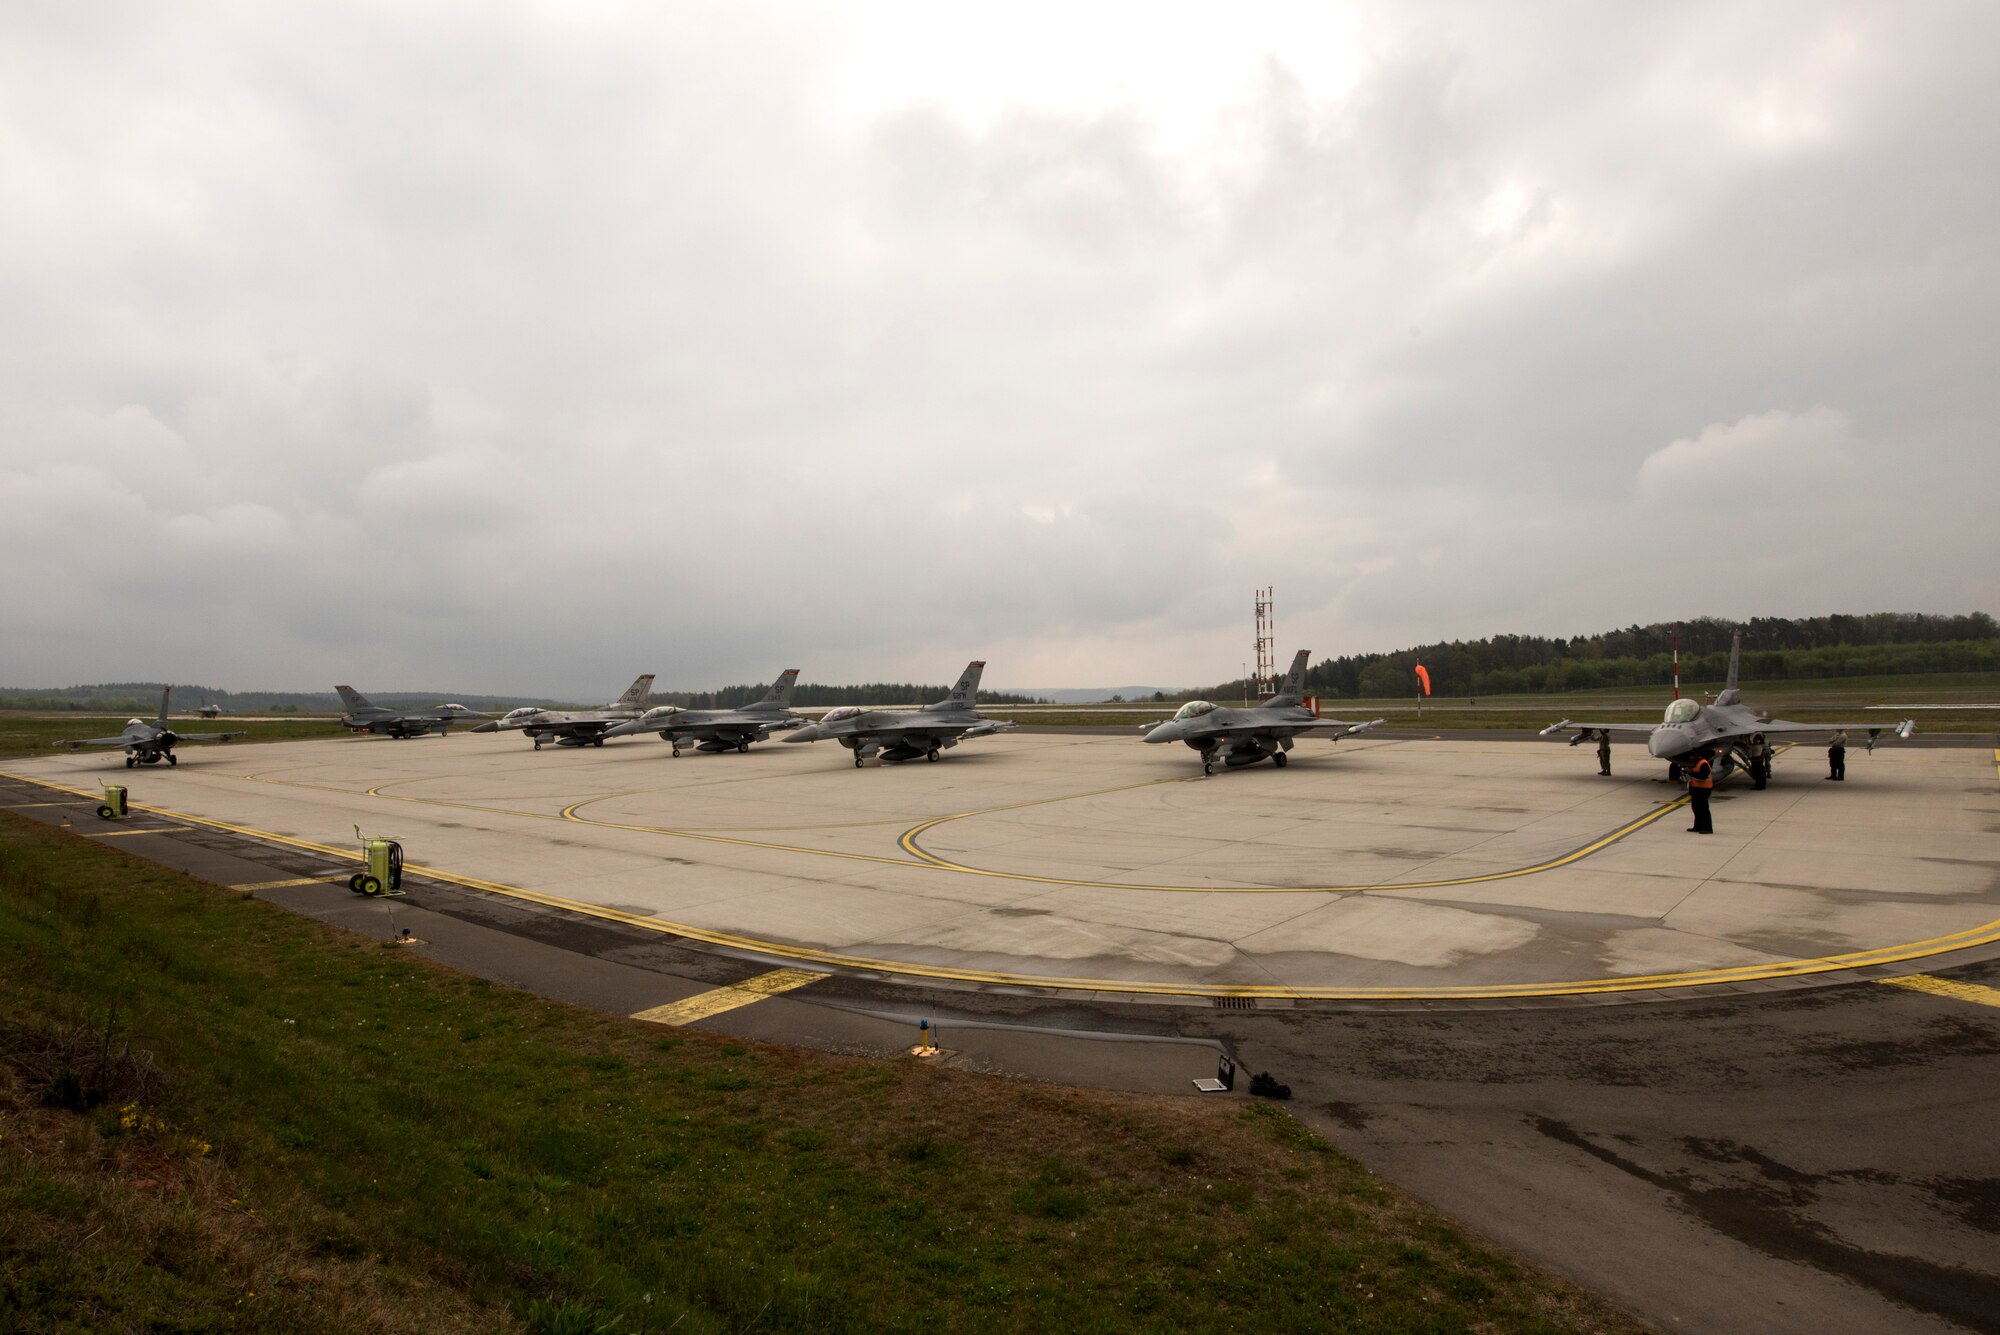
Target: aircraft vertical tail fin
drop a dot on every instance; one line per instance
(966, 693)
(1729, 694)
(635, 694)
(780, 694)
(356, 702)
(1293, 689)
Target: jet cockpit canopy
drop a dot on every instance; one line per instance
(1194, 709)
(844, 712)
(135, 723)
(1683, 710)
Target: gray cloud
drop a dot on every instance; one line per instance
(519, 349)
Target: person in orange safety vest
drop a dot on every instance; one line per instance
(1701, 782)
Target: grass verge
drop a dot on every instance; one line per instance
(273, 1125)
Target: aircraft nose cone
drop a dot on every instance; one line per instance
(1166, 732)
(1668, 741)
(486, 727)
(810, 733)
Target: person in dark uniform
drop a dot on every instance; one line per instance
(1604, 751)
(1701, 782)
(1836, 757)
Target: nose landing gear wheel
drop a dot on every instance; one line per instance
(1280, 759)
(857, 761)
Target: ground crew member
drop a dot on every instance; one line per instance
(1760, 760)
(1701, 782)
(1836, 757)
(1604, 751)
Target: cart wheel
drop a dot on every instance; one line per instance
(370, 886)
(354, 883)
(105, 812)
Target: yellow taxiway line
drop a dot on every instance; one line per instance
(1984, 934)
(704, 1004)
(1944, 987)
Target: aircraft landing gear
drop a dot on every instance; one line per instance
(597, 741)
(173, 759)
(857, 760)
(743, 748)
(931, 755)
(677, 751)
(130, 762)
(1280, 759)
(1208, 762)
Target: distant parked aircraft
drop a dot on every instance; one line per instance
(721, 729)
(899, 734)
(575, 727)
(1263, 732)
(1736, 732)
(363, 716)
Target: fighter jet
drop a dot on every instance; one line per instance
(1737, 734)
(721, 729)
(575, 727)
(898, 734)
(207, 710)
(150, 743)
(1263, 732)
(364, 716)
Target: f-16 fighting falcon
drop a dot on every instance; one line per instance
(1734, 731)
(150, 743)
(576, 727)
(1262, 732)
(897, 734)
(364, 716)
(721, 729)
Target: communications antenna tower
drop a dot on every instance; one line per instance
(1267, 640)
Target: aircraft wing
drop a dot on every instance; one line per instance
(1583, 725)
(122, 739)
(207, 736)
(1901, 727)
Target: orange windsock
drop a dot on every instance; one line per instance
(1424, 676)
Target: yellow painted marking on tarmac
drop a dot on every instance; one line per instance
(1984, 934)
(1945, 987)
(910, 845)
(702, 1005)
(23, 806)
(113, 834)
(286, 885)
(569, 814)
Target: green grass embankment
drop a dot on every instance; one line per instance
(347, 1136)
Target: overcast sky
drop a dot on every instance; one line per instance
(519, 348)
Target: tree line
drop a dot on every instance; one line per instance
(1774, 649)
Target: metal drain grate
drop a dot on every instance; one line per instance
(1235, 1003)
